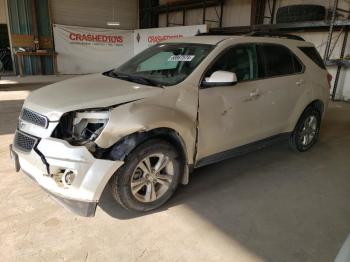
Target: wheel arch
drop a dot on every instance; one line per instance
(123, 147)
(318, 104)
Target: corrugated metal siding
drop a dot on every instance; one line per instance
(95, 13)
(20, 17)
(44, 29)
(21, 23)
(44, 24)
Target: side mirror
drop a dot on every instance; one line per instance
(220, 78)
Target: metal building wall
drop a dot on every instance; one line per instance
(236, 12)
(95, 13)
(344, 4)
(45, 30)
(21, 23)
(319, 39)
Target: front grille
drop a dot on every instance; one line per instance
(34, 118)
(24, 141)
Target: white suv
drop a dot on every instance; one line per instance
(179, 105)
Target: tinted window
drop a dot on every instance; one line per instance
(279, 60)
(312, 53)
(298, 68)
(241, 60)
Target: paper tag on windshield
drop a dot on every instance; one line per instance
(181, 58)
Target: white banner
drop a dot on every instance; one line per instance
(144, 38)
(84, 50)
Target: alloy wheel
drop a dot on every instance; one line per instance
(309, 130)
(152, 177)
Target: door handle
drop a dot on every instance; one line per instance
(300, 82)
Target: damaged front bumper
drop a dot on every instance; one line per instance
(52, 159)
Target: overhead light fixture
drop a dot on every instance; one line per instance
(113, 23)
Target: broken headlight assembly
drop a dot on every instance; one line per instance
(81, 127)
(87, 126)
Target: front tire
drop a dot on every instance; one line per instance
(307, 130)
(149, 176)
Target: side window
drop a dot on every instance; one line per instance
(298, 68)
(312, 53)
(241, 60)
(279, 60)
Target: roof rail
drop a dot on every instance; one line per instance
(275, 34)
(218, 33)
(257, 34)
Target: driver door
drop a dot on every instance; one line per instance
(229, 116)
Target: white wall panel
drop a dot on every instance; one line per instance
(95, 13)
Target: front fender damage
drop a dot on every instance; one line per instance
(173, 119)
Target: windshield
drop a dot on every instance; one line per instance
(163, 64)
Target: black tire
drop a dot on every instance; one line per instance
(300, 13)
(121, 180)
(295, 140)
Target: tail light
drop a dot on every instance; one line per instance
(329, 80)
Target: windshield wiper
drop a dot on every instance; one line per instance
(136, 79)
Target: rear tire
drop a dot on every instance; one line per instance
(139, 185)
(307, 130)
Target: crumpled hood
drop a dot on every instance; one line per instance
(90, 91)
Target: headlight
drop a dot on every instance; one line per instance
(87, 126)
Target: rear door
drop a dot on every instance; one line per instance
(280, 89)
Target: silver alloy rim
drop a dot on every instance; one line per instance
(152, 177)
(309, 130)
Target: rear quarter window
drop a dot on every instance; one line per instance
(279, 60)
(313, 54)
